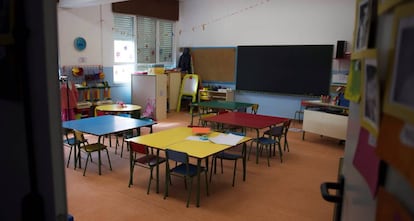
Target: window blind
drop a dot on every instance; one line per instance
(165, 41)
(146, 40)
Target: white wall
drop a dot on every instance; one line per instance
(217, 23)
(261, 22)
(93, 23)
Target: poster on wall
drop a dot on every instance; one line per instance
(396, 142)
(353, 87)
(399, 100)
(366, 160)
(362, 26)
(385, 5)
(390, 208)
(396, 145)
(370, 110)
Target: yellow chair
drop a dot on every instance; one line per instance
(255, 108)
(90, 148)
(189, 87)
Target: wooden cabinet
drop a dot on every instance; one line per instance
(154, 87)
(173, 85)
(326, 124)
(226, 95)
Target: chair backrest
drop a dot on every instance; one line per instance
(138, 148)
(177, 156)
(79, 136)
(276, 131)
(286, 126)
(255, 107)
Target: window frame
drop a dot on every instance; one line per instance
(144, 66)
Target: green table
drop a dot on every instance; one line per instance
(219, 105)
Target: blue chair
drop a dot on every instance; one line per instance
(286, 126)
(225, 155)
(268, 142)
(183, 168)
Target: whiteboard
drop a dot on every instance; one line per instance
(189, 84)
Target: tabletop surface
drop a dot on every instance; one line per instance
(118, 108)
(318, 103)
(176, 139)
(243, 119)
(105, 124)
(220, 104)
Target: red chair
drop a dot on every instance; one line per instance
(139, 155)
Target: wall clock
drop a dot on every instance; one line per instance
(79, 43)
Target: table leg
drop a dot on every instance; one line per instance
(257, 146)
(198, 181)
(99, 156)
(157, 171)
(192, 116)
(244, 151)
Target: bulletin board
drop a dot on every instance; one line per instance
(214, 63)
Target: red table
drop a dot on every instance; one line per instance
(247, 120)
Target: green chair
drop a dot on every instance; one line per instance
(183, 168)
(145, 159)
(89, 149)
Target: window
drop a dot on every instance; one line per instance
(150, 41)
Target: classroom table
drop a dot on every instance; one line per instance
(117, 108)
(176, 139)
(220, 105)
(104, 125)
(247, 120)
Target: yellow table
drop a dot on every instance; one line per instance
(116, 108)
(176, 139)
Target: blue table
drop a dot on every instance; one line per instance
(104, 125)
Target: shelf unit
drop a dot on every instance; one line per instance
(325, 119)
(227, 95)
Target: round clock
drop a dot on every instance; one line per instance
(80, 43)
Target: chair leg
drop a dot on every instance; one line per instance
(206, 182)
(280, 152)
(189, 192)
(150, 179)
(131, 174)
(109, 160)
(70, 153)
(86, 164)
(167, 179)
(269, 153)
(286, 144)
(213, 166)
(234, 171)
